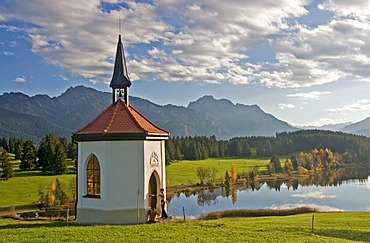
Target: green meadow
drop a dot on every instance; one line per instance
(184, 172)
(328, 227)
(23, 188)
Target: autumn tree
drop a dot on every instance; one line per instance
(234, 194)
(52, 195)
(233, 173)
(288, 165)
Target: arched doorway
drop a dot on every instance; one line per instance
(153, 190)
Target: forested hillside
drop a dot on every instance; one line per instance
(351, 148)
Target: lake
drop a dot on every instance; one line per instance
(347, 189)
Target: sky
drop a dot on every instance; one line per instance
(307, 62)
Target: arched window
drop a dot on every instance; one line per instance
(93, 177)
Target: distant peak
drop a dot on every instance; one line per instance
(210, 98)
(209, 102)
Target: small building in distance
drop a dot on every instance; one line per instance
(121, 159)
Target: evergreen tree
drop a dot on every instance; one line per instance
(274, 165)
(72, 151)
(52, 155)
(28, 159)
(59, 193)
(177, 155)
(12, 143)
(6, 165)
(64, 141)
(4, 144)
(60, 159)
(46, 152)
(227, 180)
(246, 150)
(213, 147)
(235, 147)
(18, 150)
(170, 151)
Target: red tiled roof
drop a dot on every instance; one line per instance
(120, 121)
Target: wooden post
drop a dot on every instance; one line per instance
(183, 212)
(67, 214)
(313, 220)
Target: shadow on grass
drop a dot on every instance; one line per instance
(28, 173)
(40, 173)
(38, 225)
(354, 235)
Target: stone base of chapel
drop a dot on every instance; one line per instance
(122, 216)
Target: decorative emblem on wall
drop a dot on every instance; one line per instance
(154, 160)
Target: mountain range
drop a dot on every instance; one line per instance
(33, 117)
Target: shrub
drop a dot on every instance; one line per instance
(257, 212)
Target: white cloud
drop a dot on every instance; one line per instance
(314, 56)
(20, 79)
(353, 8)
(8, 53)
(199, 40)
(313, 95)
(321, 208)
(313, 194)
(202, 41)
(77, 36)
(321, 122)
(283, 106)
(65, 78)
(358, 105)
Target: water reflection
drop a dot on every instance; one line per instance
(207, 197)
(308, 187)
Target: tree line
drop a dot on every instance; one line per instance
(202, 147)
(352, 148)
(49, 157)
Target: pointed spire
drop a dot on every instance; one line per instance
(120, 79)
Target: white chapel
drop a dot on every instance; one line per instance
(121, 159)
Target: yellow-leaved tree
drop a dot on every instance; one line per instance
(233, 173)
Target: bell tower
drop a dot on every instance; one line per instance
(120, 81)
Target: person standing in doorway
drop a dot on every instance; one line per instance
(163, 203)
